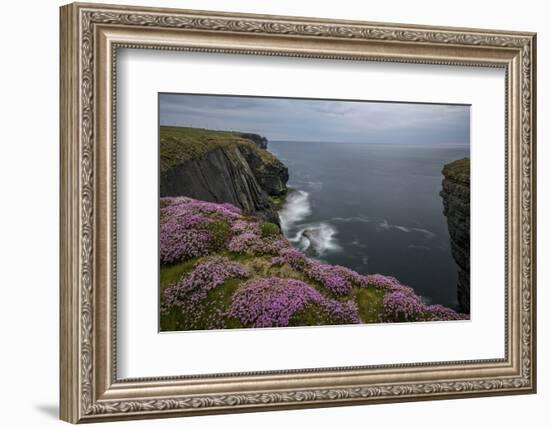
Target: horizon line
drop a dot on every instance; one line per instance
(313, 141)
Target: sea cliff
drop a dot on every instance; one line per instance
(221, 167)
(456, 207)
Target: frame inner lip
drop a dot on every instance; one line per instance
(338, 370)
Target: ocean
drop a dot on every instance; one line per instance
(374, 208)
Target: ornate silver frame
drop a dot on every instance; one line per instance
(90, 36)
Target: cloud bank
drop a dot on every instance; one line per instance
(290, 119)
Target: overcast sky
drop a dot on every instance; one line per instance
(321, 120)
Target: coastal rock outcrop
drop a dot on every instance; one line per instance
(456, 207)
(260, 141)
(271, 173)
(221, 167)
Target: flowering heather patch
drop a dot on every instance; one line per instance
(401, 307)
(248, 239)
(275, 246)
(404, 306)
(331, 276)
(184, 226)
(438, 312)
(341, 312)
(177, 205)
(401, 304)
(240, 226)
(224, 210)
(290, 256)
(182, 244)
(246, 242)
(270, 302)
(191, 292)
(336, 278)
(388, 283)
(206, 276)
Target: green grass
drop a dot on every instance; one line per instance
(220, 231)
(170, 274)
(217, 300)
(278, 201)
(268, 229)
(459, 169)
(312, 315)
(180, 144)
(220, 298)
(237, 256)
(369, 302)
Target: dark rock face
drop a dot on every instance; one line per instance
(456, 207)
(272, 176)
(234, 174)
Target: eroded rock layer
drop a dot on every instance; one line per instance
(456, 207)
(221, 167)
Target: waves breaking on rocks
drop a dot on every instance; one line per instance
(315, 238)
(296, 208)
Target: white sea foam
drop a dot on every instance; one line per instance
(316, 237)
(315, 185)
(296, 209)
(426, 233)
(322, 237)
(360, 218)
(387, 226)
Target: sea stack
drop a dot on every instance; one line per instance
(456, 207)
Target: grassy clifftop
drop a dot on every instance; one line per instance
(180, 144)
(459, 170)
(221, 166)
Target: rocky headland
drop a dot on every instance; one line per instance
(222, 167)
(456, 207)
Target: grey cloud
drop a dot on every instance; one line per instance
(321, 120)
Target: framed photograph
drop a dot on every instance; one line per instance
(266, 212)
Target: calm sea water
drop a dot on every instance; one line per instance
(374, 208)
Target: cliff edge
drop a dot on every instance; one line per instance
(456, 207)
(221, 167)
